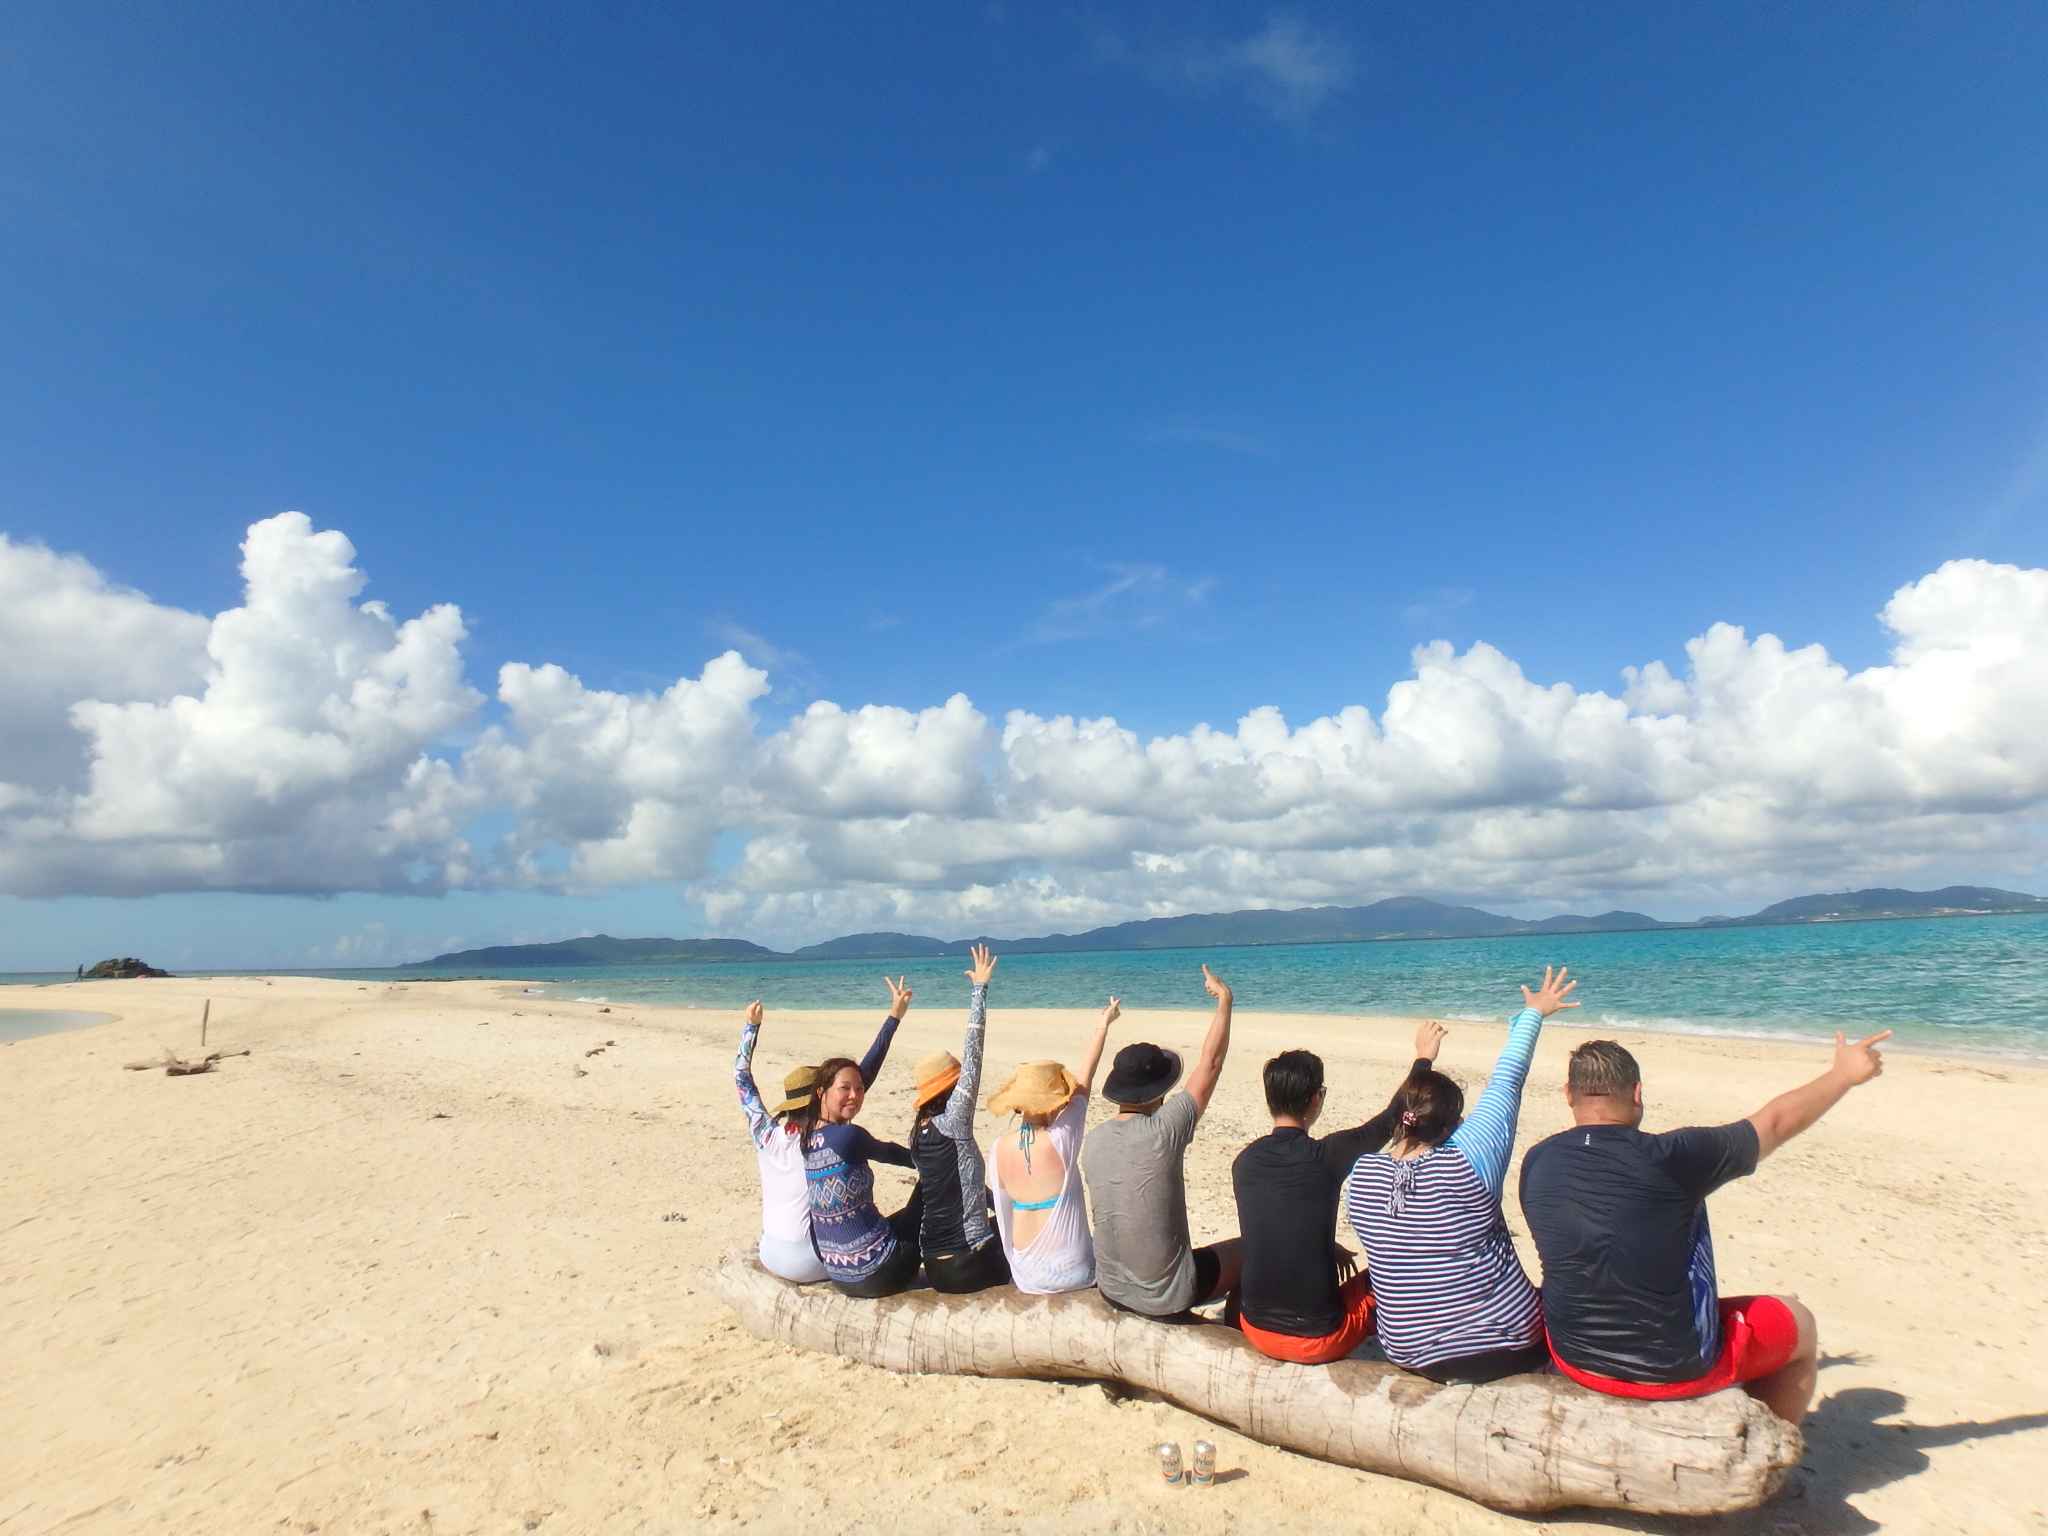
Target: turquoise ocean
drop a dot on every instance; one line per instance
(1958, 984)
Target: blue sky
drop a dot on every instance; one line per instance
(1148, 362)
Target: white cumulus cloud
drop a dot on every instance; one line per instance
(306, 741)
(1763, 765)
(66, 634)
(617, 788)
(291, 757)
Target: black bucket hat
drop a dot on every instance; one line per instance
(1141, 1073)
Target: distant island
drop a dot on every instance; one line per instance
(603, 949)
(1398, 917)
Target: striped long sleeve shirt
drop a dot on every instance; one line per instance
(1446, 1281)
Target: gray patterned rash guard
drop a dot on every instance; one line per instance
(949, 1163)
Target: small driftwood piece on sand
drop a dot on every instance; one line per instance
(1528, 1443)
(175, 1065)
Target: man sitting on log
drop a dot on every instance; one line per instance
(1145, 1261)
(1301, 1298)
(1620, 1219)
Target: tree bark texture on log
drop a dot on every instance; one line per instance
(1529, 1443)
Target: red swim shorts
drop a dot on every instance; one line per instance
(1759, 1335)
(1357, 1298)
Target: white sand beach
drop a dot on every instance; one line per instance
(422, 1263)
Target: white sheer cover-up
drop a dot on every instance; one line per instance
(1062, 1256)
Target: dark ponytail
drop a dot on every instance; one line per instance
(930, 1109)
(1427, 1108)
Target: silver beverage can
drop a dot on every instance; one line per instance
(1205, 1464)
(1169, 1464)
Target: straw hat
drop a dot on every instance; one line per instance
(798, 1089)
(1036, 1088)
(935, 1075)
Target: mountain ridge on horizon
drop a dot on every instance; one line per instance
(1396, 917)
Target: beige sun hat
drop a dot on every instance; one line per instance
(935, 1075)
(798, 1089)
(1038, 1088)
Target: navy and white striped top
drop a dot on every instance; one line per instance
(1445, 1280)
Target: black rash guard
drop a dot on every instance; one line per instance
(1288, 1184)
(1620, 1218)
(950, 1170)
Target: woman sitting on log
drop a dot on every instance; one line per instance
(865, 1253)
(1041, 1211)
(961, 1250)
(1452, 1301)
(786, 1248)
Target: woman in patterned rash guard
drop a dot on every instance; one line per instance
(865, 1253)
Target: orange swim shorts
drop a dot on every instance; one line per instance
(1356, 1295)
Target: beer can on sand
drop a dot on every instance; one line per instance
(1205, 1464)
(1169, 1464)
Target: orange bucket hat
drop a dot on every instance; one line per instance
(935, 1075)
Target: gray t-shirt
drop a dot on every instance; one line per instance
(1137, 1194)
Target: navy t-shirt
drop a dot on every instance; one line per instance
(1620, 1220)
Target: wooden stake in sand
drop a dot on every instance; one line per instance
(204, 1014)
(1528, 1443)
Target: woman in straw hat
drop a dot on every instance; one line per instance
(786, 1247)
(865, 1253)
(961, 1250)
(1041, 1211)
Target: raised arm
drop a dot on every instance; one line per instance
(958, 1120)
(1208, 1068)
(1091, 1058)
(760, 1125)
(1487, 1138)
(1856, 1062)
(1348, 1146)
(899, 1004)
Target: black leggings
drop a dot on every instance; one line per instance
(900, 1268)
(1477, 1370)
(977, 1270)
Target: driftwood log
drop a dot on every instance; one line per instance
(1528, 1443)
(175, 1065)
